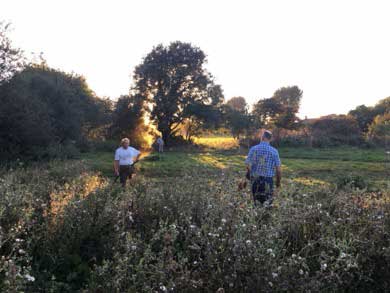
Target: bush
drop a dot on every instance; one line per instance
(352, 181)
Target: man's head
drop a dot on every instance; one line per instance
(267, 136)
(125, 142)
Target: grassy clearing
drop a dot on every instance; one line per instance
(305, 165)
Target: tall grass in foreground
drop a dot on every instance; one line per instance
(195, 232)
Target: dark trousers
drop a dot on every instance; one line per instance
(125, 171)
(262, 189)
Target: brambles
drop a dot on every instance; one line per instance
(62, 231)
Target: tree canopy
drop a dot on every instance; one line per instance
(42, 106)
(173, 81)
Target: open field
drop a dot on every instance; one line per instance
(182, 225)
(300, 164)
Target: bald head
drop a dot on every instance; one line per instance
(267, 135)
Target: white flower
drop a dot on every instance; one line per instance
(29, 278)
(269, 250)
(133, 247)
(163, 288)
(21, 251)
(274, 275)
(324, 266)
(293, 255)
(270, 284)
(248, 242)
(244, 225)
(192, 226)
(223, 220)
(301, 272)
(342, 255)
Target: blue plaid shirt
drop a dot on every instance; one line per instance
(263, 159)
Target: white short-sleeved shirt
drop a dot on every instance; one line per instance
(125, 156)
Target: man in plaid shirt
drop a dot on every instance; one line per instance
(262, 162)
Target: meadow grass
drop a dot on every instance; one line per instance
(320, 165)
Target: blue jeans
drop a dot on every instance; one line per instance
(262, 189)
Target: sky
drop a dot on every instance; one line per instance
(336, 51)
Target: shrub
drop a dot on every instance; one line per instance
(352, 181)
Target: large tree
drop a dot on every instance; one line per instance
(365, 115)
(41, 106)
(280, 110)
(202, 116)
(237, 118)
(172, 79)
(11, 59)
(128, 119)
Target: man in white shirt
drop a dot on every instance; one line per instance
(125, 156)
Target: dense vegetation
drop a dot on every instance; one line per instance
(182, 225)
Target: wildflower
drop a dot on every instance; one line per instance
(192, 226)
(324, 266)
(342, 255)
(248, 242)
(301, 272)
(274, 275)
(223, 221)
(133, 247)
(163, 288)
(270, 284)
(21, 251)
(29, 278)
(269, 250)
(244, 225)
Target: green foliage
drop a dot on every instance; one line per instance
(128, 121)
(365, 115)
(42, 107)
(11, 58)
(237, 118)
(280, 110)
(335, 130)
(379, 129)
(171, 79)
(350, 181)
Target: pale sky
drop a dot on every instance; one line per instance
(336, 51)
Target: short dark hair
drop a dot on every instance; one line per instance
(267, 134)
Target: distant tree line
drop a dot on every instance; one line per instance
(46, 112)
